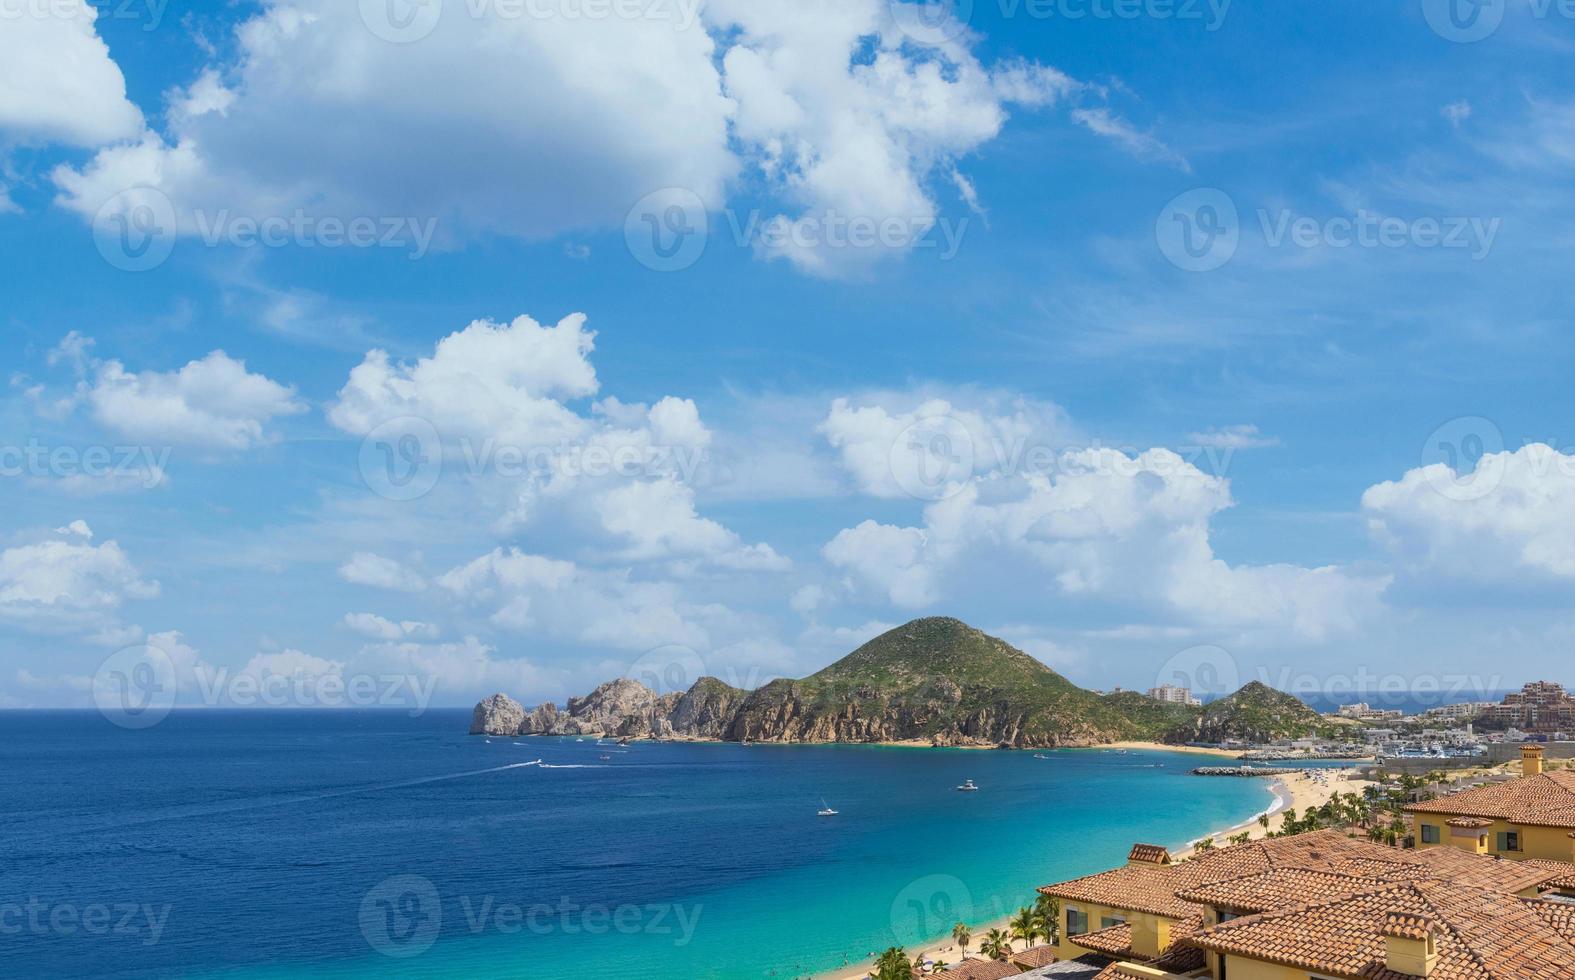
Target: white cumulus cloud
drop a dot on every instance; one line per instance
(68, 584)
(58, 82)
(365, 568)
(1511, 517)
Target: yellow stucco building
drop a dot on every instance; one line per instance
(1530, 818)
(1326, 906)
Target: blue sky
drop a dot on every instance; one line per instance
(1023, 401)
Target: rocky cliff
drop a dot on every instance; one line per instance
(935, 680)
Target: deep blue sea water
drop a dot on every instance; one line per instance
(250, 845)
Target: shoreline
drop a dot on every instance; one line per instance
(1295, 790)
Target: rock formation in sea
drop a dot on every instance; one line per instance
(934, 680)
(497, 715)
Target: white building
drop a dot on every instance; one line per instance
(1170, 694)
(1459, 712)
(1362, 711)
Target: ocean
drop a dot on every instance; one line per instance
(252, 845)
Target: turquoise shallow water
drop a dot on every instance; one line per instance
(350, 845)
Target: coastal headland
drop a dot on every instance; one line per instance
(934, 681)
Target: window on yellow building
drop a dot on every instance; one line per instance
(1509, 842)
(1429, 834)
(1076, 922)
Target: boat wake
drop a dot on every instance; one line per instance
(241, 806)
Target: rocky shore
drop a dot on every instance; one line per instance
(934, 681)
(711, 710)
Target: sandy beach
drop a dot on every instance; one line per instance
(1162, 747)
(1296, 790)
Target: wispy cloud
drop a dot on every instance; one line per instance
(1144, 146)
(1233, 437)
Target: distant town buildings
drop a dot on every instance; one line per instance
(1541, 707)
(1466, 711)
(1362, 711)
(1170, 694)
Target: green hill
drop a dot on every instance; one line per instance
(1256, 713)
(942, 681)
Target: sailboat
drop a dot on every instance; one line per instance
(825, 809)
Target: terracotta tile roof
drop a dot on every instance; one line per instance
(979, 970)
(1470, 823)
(1114, 941)
(1481, 935)
(1032, 959)
(1325, 902)
(1154, 888)
(1136, 887)
(1547, 800)
(1275, 889)
(1403, 925)
(1560, 915)
(1149, 854)
(1479, 871)
(1565, 881)
(1180, 960)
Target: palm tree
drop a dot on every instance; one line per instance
(997, 945)
(1206, 844)
(1263, 820)
(1048, 909)
(892, 965)
(1025, 925)
(963, 935)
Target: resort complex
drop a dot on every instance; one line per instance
(1327, 906)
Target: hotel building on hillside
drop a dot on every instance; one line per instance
(1362, 711)
(1532, 817)
(1320, 906)
(1542, 707)
(1170, 694)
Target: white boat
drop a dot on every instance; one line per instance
(825, 810)
(1040, 755)
(967, 787)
